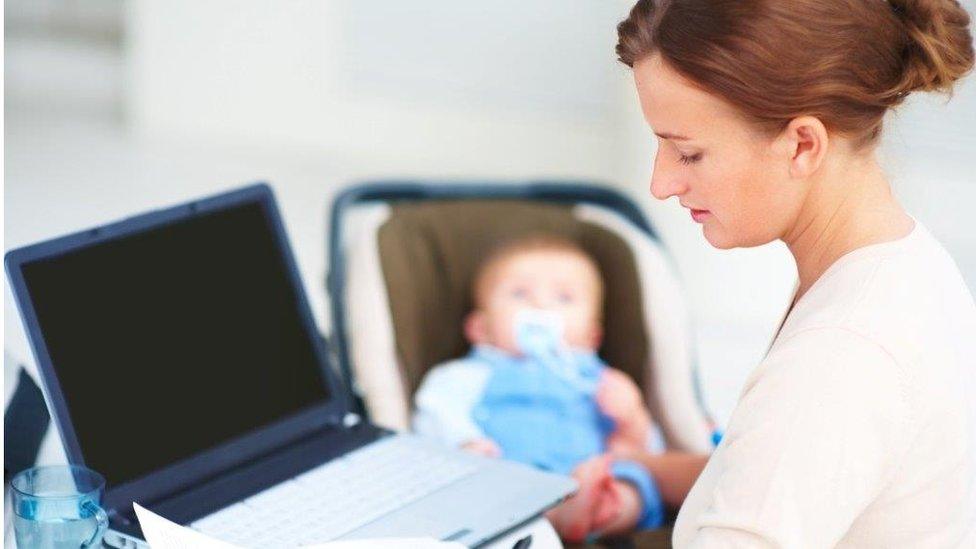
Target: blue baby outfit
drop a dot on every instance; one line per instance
(537, 416)
(542, 418)
(544, 414)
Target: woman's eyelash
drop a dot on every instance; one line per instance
(689, 159)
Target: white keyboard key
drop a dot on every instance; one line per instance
(286, 491)
(339, 496)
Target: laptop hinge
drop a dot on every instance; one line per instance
(331, 423)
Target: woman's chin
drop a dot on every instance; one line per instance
(717, 238)
(725, 240)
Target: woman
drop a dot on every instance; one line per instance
(858, 429)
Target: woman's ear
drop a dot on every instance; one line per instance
(806, 142)
(475, 327)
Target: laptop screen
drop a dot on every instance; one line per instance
(172, 340)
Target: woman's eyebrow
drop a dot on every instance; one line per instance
(671, 136)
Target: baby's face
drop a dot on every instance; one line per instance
(556, 281)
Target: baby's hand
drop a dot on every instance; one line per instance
(620, 399)
(618, 396)
(482, 446)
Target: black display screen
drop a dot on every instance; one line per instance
(172, 340)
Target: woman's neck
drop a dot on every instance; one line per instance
(849, 206)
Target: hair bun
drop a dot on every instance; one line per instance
(939, 50)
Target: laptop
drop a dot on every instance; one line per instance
(181, 360)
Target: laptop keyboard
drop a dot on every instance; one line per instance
(339, 496)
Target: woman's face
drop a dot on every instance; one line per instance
(734, 180)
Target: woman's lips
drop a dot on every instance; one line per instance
(699, 215)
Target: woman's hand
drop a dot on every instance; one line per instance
(593, 507)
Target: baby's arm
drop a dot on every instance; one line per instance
(619, 398)
(444, 403)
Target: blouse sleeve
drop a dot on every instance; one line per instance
(818, 431)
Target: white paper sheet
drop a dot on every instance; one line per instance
(164, 534)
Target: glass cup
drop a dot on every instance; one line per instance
(57, 507)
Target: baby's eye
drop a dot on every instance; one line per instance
(520, 293)
(566, 298)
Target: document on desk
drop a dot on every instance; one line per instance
(161, 533)
(164, 534)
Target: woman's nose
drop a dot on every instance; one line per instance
(665, 182)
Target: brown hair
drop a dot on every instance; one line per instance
(843, 61)
(540, 242)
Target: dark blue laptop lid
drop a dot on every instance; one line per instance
(177, 344)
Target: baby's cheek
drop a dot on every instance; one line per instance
(580, 336)
(574, 339)
(503, 335)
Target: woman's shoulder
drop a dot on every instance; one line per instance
(834, 360)
(906, 297)
(896, 322)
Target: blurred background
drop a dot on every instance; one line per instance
(116, 107)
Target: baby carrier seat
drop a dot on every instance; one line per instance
(402, 258)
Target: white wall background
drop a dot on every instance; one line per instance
(114, 107)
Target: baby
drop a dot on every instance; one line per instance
(533, 389)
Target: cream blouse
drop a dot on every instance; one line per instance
(858, 429)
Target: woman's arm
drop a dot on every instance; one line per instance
(675, 473)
